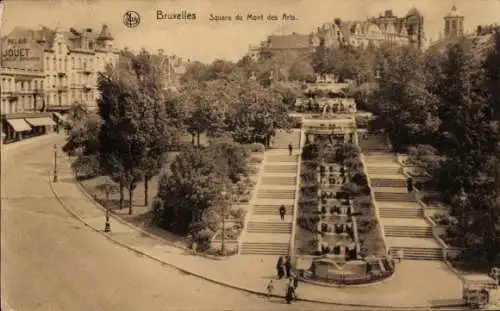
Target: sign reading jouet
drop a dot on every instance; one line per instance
(21, 53)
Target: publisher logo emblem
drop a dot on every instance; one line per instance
(131, 19)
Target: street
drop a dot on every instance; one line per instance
(50, 261)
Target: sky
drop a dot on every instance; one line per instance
(206, 40)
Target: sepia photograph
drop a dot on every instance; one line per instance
(250, 155)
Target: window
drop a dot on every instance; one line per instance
(65, 64)
(73, 62)
(54, 64)
(59, 48)
(454, 24)
(47, 63)
(41, 85)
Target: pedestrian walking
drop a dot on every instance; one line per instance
(295, 282)
(282, 211)
(290, 148)
(280, 271)
(289, 295)
(270, 288)
(400, 255)
(409, 184)
(288, 267)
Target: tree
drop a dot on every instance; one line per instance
(205, 109)
(301, 71)
(194, 186)
(123, 145)
(157, 127)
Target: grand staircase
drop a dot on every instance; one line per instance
(266, 233)
(401, 216)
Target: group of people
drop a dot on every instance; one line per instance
(284, 270)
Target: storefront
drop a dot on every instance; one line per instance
(23, 125)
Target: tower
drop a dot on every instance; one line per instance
(415, 27)
(105, 38)
(453, 23)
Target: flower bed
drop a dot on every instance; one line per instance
(326, 272)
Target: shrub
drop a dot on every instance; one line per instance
(255, 147)
(255, 160)
(352, 189)
(360, 179)
(310, 152)
(203, 239)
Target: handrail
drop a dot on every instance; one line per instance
(375, 205)
(291, 250)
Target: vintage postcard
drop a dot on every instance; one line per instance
(250, 155)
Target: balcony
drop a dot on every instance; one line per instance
(38, 92)
(13, 97)
(87, 71)
(61, 74)
(87, 87)
(62, 88)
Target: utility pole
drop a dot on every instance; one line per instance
(55, 163)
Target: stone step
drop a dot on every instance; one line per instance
(394, 197)
(417, 253)
(269, 227)
(270, 210)
(400, 212)
(248, 248)
(379, 182)
(282, 138)
(382, 170)
(270, 158)
(280, 169)
(407, 231)
(278, 180)
(275, 194)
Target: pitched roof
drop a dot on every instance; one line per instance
(293, 41)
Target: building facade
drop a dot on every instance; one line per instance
(453, 23)
(48, 70)
(386, 28)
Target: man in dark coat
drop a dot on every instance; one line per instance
(290, 294)
(280, 268)
(409, 184)
(290, 148)
(282, 211)
(288, 267)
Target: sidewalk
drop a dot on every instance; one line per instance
(415, 284)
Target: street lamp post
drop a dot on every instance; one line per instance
(223, 239)
(55, 163)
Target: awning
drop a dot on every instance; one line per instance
(19, 125)
(44, 121)
(59, 116)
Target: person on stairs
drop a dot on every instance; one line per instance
(290, 148)
(282, 211)
(409, 184)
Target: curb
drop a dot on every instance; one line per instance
(245, 289)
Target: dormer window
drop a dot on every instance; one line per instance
(91, 45)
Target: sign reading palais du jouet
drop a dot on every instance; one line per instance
(22, 53)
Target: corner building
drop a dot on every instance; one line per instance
(45, 71)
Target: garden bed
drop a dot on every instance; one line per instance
(369, 233)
